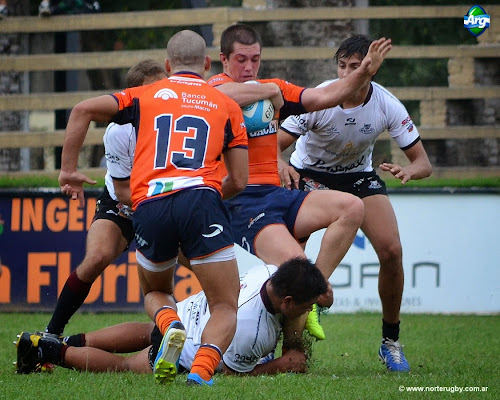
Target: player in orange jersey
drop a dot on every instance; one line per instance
(183, 127)
(268, 220)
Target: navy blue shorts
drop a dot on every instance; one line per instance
(194, 220)
(259, 206)
(361, 184)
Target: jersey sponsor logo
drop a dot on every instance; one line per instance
(112, 159)
(254, 220)
(320, 164)
(165, 94)
(367, 129)
(407, 123)
(270, 130)
(350, 121)
(241, 358)
(217, 230)
(333, 130)
(311, 184)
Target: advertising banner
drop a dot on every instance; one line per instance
(451, 256)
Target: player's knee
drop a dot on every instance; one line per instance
(355, 209)
(390, 255)
(96, 261)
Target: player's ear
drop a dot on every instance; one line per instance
(167, 67)
(208, 63)
(223, 59)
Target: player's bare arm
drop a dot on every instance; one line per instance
(320, 98)
(99, 109)
(122, 191)
(245, 94)
(419, 168)
(288, 176)
(236, 161)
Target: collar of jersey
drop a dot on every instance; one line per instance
(266, 300)
(187, 74)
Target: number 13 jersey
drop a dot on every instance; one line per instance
(183, 125)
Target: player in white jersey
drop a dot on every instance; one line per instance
(269, 300)
(334, 151)
(112, 222)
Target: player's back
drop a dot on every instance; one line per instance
(182, 126)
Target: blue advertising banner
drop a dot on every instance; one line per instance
(42, 239)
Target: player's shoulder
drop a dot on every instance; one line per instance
(219, 79)
(382, 92)
(114, 129)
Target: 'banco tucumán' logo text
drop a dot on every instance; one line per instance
(476, 20)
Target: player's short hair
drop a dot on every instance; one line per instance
(300, 279)
(147, 68)
(238, 33)
(357, 44)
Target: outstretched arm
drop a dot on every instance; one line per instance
(337, 92)
(99, 109)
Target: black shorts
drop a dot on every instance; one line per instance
(107, 208)
(361, 184)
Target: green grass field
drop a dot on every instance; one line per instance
(445, 352)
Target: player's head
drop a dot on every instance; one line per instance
(351, 53)
(240, 54)
(299, 283)
(186, 51)
(145, 72)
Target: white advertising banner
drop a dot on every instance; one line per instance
(451, 256)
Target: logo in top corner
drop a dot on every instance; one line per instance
(476, 20)
(165, 94)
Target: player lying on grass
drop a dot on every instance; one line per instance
(270, 299)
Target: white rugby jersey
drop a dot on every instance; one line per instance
(338, 140)
(119, 149)
(257, 332)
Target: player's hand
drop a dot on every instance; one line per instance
(294, 361)
(326, 300)
(376, 53)
(288, 176)
(71, 184)
(397, 171)
(277, 100)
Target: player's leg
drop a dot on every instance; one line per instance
(220, 282)
(380, 227)
(341, 214)
(126, 337)
(97, 258)
(274, 245)
(157, 247)
(97, 360)
(161, 308)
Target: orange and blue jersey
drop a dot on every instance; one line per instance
(263, 144)
(183, 126)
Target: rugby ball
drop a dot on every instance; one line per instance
(258, 115)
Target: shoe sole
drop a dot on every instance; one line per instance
(165, 368)
(25, 339)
